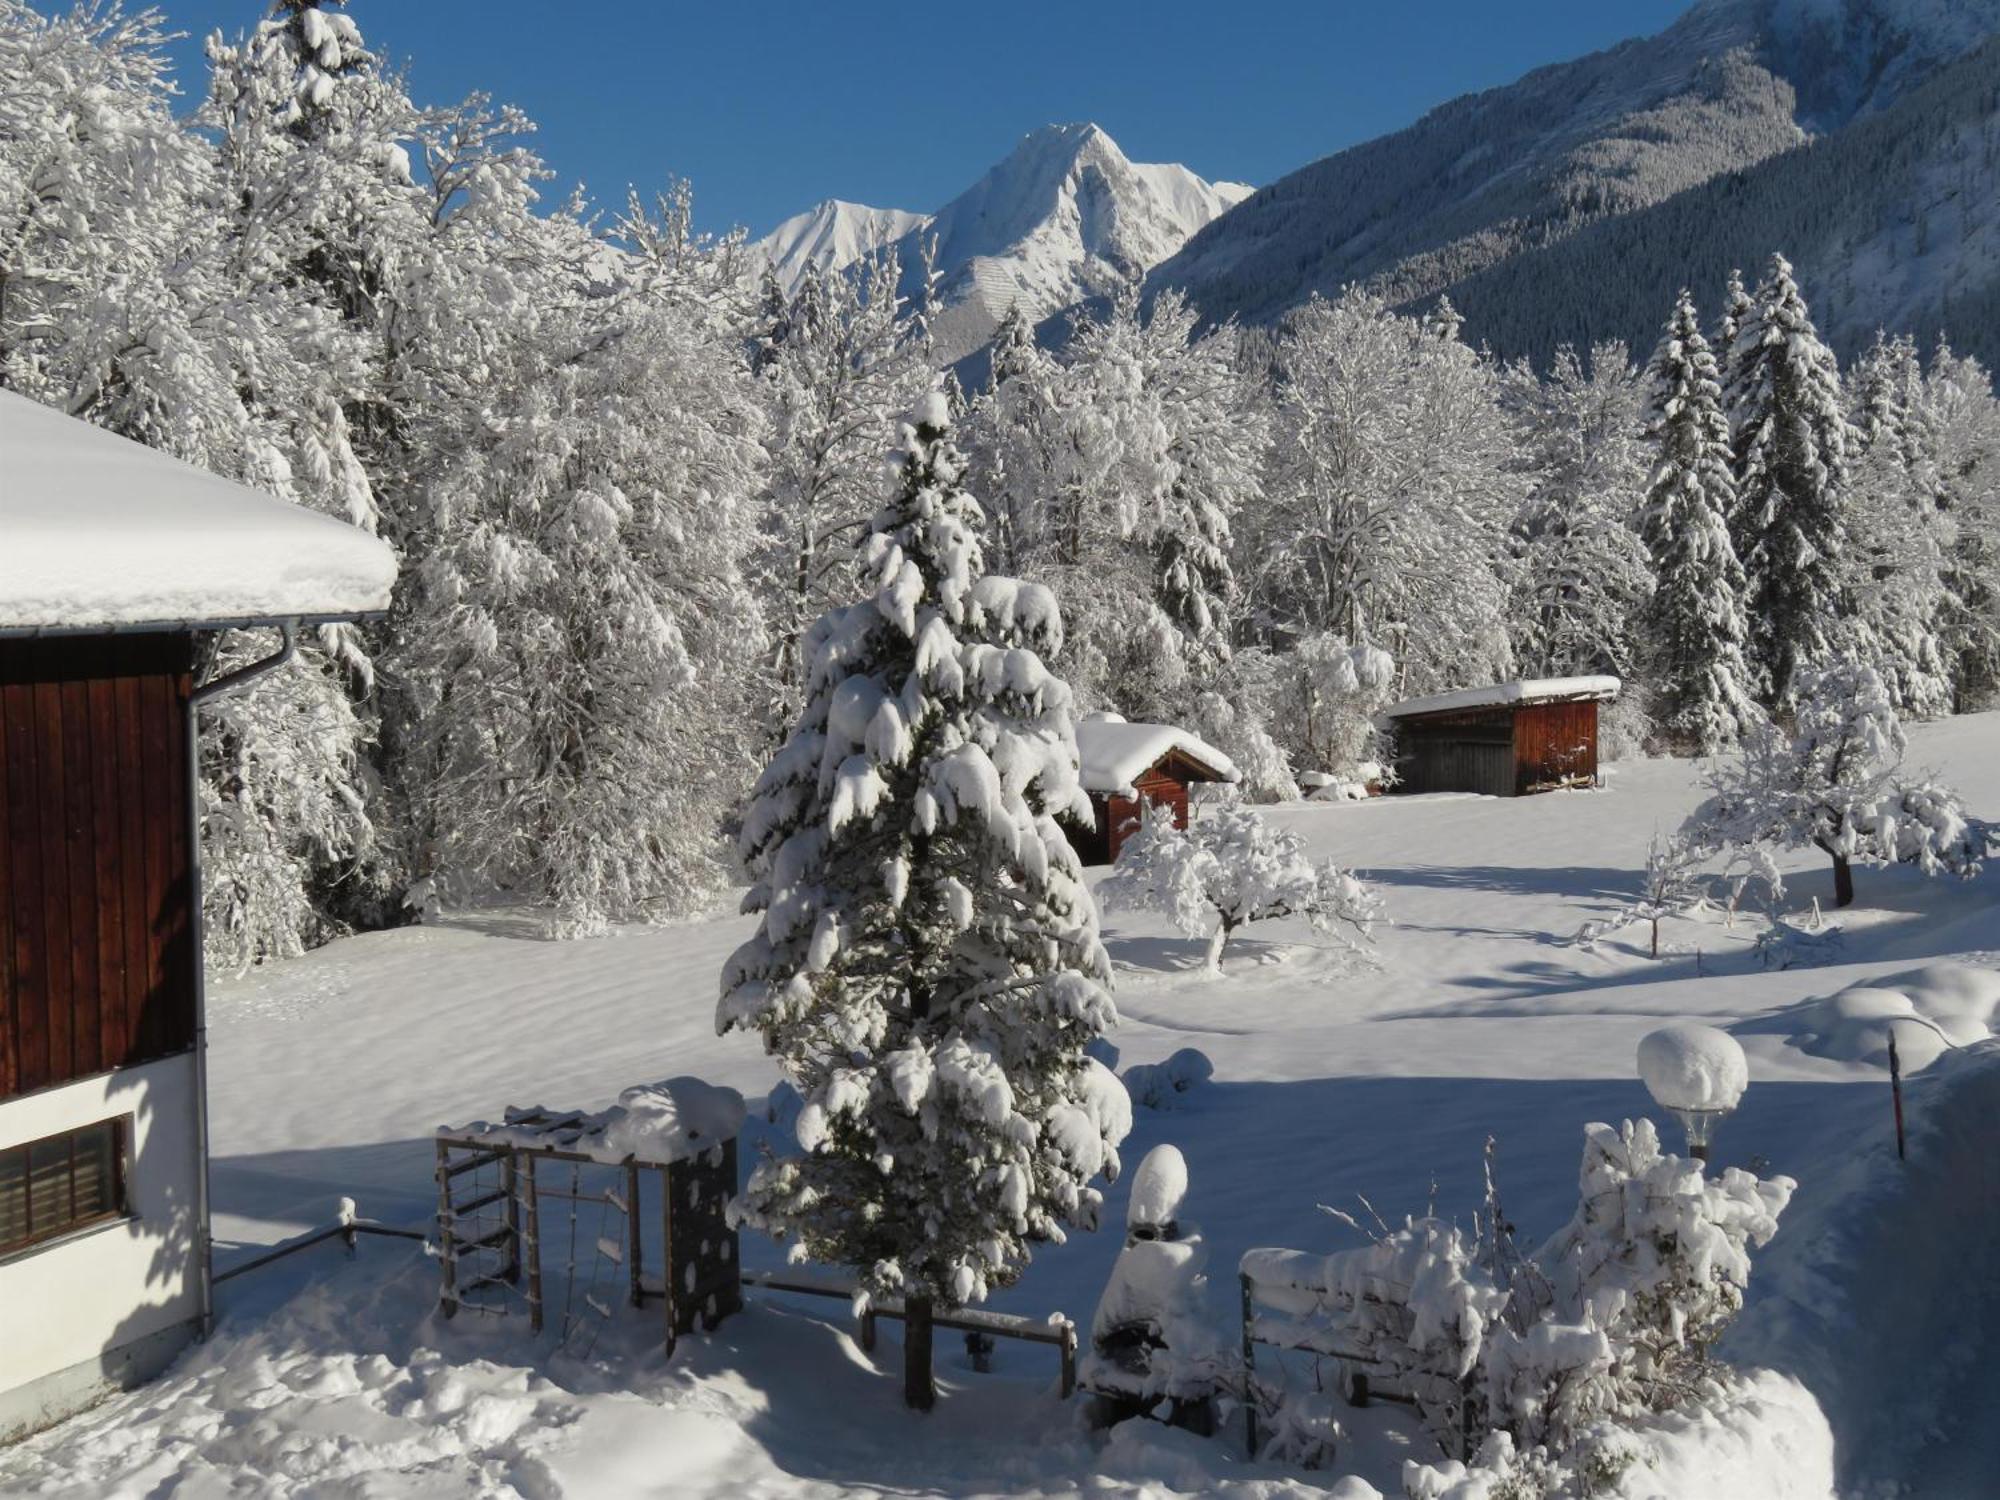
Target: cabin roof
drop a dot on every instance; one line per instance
(1509, 695)
(105, 533)
(1115, 754)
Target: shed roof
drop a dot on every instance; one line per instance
(1508, 694)
(103, 532)
(1116, 754)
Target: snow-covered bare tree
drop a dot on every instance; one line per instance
(1582, 577)
(926, 966)
(1230, 867)
(582, 634)
(1696, 626)
(1388, 493)
(1836, 784)
(842, 362)
(1792, 447)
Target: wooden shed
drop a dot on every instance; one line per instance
(1122, 763)
(1506, 740)
(115, 560)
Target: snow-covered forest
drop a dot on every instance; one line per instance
(626, 471)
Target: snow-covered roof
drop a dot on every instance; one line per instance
(1532, 690)
(1115, 754)
(102, 531)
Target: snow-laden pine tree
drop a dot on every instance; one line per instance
(1902, 531)
(1696, 627)
(926, 966)
(1792, 447)
(1581, 573)
(1963, 420)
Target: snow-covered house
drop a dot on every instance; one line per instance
(1123, 762)
(113, 558)
(1505, 740)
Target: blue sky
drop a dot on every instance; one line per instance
(767, 108)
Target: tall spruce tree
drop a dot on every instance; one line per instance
(1903, 532)
(927, 968)
(1696, 614)
(1792, 443)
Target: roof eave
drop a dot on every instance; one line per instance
(232, 622)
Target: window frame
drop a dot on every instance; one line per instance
(70, 1226)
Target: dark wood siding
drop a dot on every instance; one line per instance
(1501, 751)
(97, 961)
(1555, 744)
(1471, 750)
(1166, 784)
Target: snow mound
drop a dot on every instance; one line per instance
(104, 531)
(1115, 754)
(1928, 1011)
(1691, 1066)
(1161, 1085)
(1159, 1188)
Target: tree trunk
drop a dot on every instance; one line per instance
(1656, 937)
(1217, 941)
(919, 1389)
(1843, 881)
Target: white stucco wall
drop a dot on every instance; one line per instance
(76, 1301)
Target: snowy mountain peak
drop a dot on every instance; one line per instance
(831, 235)
(1066, 215)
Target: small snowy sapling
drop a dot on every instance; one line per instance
(1228, 868)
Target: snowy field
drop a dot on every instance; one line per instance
(331, 1377)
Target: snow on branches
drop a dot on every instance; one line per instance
(1229, 868)
(1836, 784)
(926, 967)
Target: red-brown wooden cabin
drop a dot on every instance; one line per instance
(1506, 740)
(1122, 763)
(114, 560)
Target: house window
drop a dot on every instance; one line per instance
(61, 1183)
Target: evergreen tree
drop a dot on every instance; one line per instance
(927, 968)
(1902, 532)
(1696, 616)
(1792, 446)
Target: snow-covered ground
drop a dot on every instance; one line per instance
(331, 1377)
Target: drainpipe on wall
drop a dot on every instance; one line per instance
(241, 677)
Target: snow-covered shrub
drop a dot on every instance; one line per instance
(1657, 1256)
(1230, 867)
(1325, 698)
(1835, 784)
(1162, 1085)
(1613, 1319)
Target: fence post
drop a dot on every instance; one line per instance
(1896, 1092)
(1068, 1359)
(1249, 1369)
(447, 1243)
